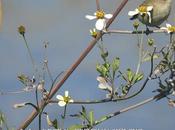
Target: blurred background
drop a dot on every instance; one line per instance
(62, 23)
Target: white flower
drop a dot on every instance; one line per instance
(19, 105)
(142, 10)
(169, 28)
(64, 100)
(103, 84)
(101, 19)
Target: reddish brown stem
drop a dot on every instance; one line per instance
(98, 4)
(32, 116)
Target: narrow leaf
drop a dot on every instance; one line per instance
(91, 117)
(75, 127)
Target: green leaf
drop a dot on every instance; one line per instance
(2, 119)
(103, 118)
(75, 127)
(83, 110)
(107, 66)
(129, 75)
(104, 71)
(148, 58)
(124, 90)
(138, 77)
(91, 117)
(115, 64)
(98, 68)
(23, 79)
(55, 124)
(83, 113)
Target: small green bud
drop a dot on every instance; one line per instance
(104, 55)
(136, 25)
(21, 30)
(150, 42)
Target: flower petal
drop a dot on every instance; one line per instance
(71, 100)
(90, 31)
(100, 24)
(168, 25)
(149, 8)
(149, 16)
(61, 103)
(101, 79)
(133, 13)
(66, 93)
(102, 86)
(90, 17)
(60, 97)
(108, 16)
(164, 28)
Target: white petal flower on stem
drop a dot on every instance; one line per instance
(103, 84)
(64, 100)
(101, 17)
(169, 28)
(142, 10)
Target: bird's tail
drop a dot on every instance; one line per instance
(134, 17)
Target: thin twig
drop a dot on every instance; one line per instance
(85, 102)
(126, 109)
(133, 32)
(43, 103)
(145, 82)
(98, 4)
(30, 54)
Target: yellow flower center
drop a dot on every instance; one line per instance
(100, 14)
(94, 34)
(67, 99)
(142, 9)
(171, 29)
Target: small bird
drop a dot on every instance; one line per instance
(152, 12)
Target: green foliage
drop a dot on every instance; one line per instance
(103, 69)
(115, 65)
(75, 127)
(91, 118)
(87, 117)
(3, 122)
(131, 77)
(148, 58)
(55, 124)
